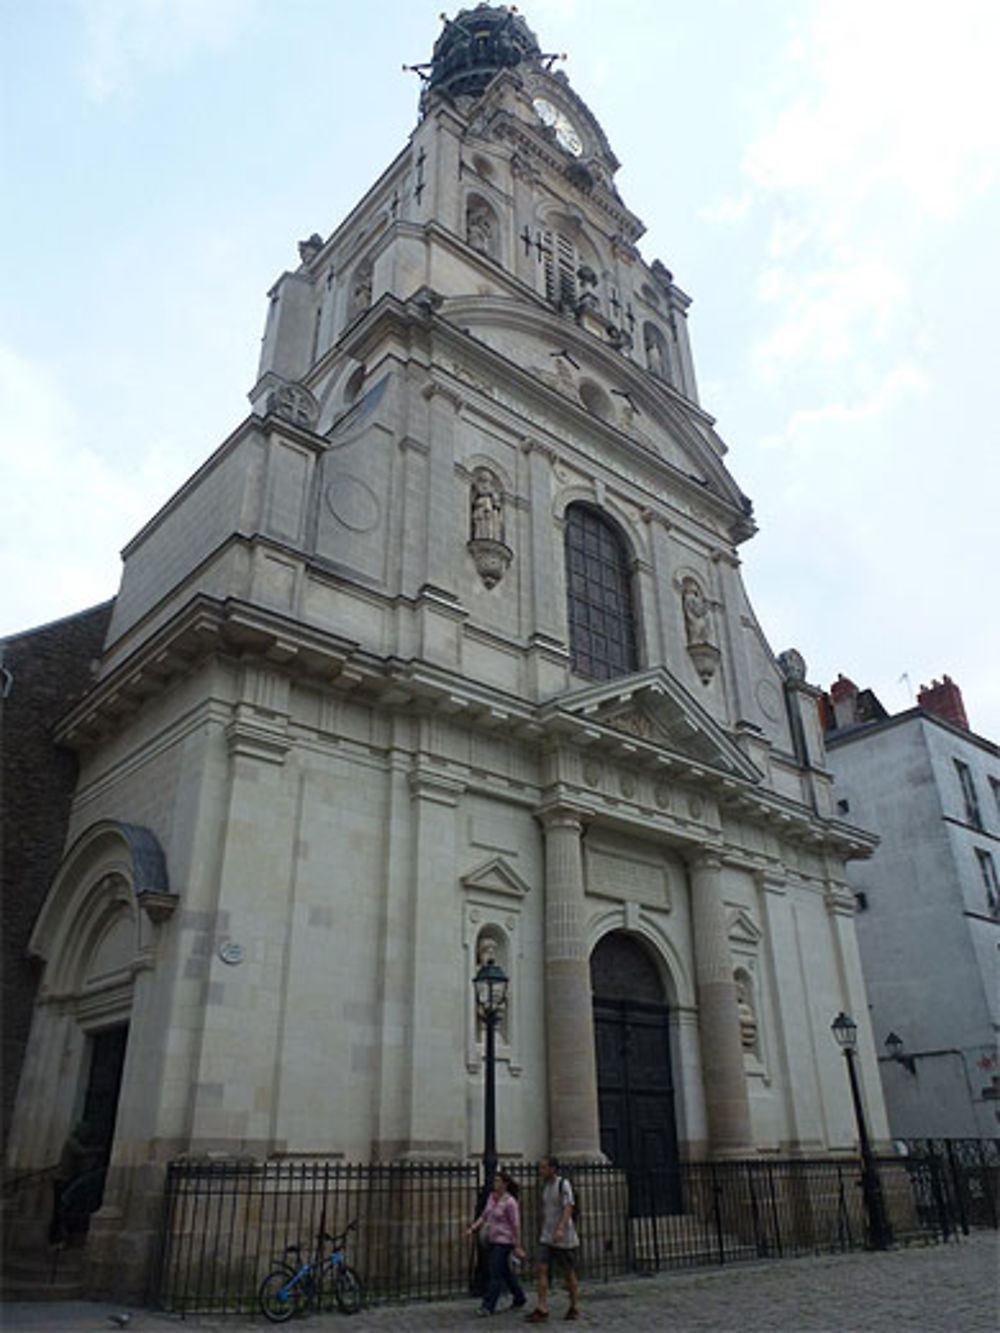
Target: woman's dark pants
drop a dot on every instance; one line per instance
(499, 1274)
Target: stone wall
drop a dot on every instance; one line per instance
(46, 671)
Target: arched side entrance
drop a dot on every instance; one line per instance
(94, 936)
(635, 1086)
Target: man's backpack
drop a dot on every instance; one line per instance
(575, 1214)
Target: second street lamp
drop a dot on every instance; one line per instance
(491, 983)
(845, 1030)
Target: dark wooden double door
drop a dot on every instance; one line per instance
(635, 1086)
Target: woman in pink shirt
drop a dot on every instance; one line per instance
(502, 1219)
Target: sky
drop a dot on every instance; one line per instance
(823, 179)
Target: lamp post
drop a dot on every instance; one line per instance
(491, 983)
(845, 1030)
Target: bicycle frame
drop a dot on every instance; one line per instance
(316, 1269)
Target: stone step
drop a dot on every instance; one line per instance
(50, 1274)
(680, 1238)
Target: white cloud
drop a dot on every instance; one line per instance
(826, 314)
(808, 426)
(59, 497)
(888, 132)
(730, 210)
(127, 39)
(905, 98)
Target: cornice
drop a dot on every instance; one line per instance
(206, 627)
(202, 627)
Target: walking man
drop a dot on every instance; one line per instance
(558, 1241)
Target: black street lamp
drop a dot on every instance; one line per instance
(490, 984)
(845, 1030)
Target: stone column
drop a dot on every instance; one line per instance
(548, 612)
(574, 1128)
(726, 1102)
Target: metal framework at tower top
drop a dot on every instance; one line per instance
(475, 46)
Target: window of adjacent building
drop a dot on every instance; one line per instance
(599, 592)
(995, 788)
(969, 794)
(988, 870)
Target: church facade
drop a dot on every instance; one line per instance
(445, 654)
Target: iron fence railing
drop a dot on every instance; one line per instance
(227, 1222)
(956, 1181)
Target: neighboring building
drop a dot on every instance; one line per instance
(42, 673)
(929, 901)
(445, 652)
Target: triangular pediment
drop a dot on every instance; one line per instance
(655, 709)
(496, 876)
(743, 929)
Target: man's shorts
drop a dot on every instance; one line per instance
(557, 1256)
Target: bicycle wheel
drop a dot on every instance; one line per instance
(349, 1290)
(280, 1296)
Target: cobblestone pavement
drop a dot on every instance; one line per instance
(938, 1289)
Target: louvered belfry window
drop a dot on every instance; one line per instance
(599, 592)
(560, 269)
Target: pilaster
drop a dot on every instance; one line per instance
(840, 908)
(796, 1057)
(434, 1086)
(726, 1101)
(574, 1128)
(442, 513)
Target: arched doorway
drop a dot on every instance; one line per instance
(95, 936)
(635, 1086)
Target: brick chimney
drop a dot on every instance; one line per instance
(844, 694)
(944, 699)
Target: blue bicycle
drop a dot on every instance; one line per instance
(295, 1286)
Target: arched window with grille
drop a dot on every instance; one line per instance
(599, 595)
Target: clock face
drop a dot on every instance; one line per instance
(556, 120)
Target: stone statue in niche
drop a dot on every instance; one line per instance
(361, 292)
(696, 613)
(697, 624)
(479, 229)
(487, 508)
(747, 1017)
(487, 951)
(655, 361)
(486, 527)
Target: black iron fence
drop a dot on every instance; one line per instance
(956, 1182)
(227, 1223)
